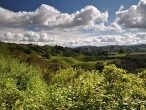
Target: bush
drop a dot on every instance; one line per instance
(21, 86)
(28, 51)
(114, 89)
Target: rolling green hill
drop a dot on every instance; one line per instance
(50, 58)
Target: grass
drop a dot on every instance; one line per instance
(89, 62)
(64, 60)
(118, 55)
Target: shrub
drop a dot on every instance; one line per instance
(21, 86)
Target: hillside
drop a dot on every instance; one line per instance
(49, 58)
(91, 50)
(23, 84)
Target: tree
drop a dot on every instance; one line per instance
(28, 51)
(121, 51)
(47, 55)
(99, 66)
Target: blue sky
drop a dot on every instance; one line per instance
(74, 22)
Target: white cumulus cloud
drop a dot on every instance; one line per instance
(47, 16)
(134, 17)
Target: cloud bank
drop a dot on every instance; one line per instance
(98, 40)
(28, 37)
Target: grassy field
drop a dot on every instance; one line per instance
(89, 62)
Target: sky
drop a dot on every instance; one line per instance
(73, 23)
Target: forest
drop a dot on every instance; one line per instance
(46, 77)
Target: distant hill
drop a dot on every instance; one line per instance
(93, 50)
(67, 52)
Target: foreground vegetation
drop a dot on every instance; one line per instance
(30, 85)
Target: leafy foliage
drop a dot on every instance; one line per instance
(21, 86)
(113, 89)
